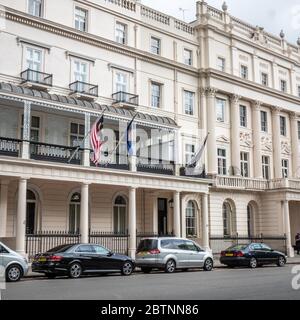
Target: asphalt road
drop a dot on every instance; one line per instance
(262, 283)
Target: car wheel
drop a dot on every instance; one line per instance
(253, 263)
(75, 271)
(208, 264)
(13, 273)
(170, 266)
(50, 275)
(127, 268)
(281, 261)
(146, 270)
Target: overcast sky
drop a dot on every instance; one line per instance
(273, 15)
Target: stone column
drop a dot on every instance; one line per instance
(205, 222)
(3, 207)
(176, 218)
(154, 214)
(295, 145)
(203, 121)
(183, 217)
(256, 126)
(275, 76)
(132, 222)
(235, 134)
(84, 213)
(21, 217)
(26, 130)
(286, 215)
(87, 128)
(211, 128)
(276, 143)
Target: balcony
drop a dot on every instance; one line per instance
(10, 147)
(147, 165)
(54, 153)
(36, 79)
(125, 99)
(83, 90)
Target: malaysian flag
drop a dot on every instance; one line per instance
(95, 140)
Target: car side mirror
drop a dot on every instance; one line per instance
(110, 253)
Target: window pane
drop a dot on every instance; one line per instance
(220, 110)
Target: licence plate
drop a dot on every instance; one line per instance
(229, 254)
(42, 259)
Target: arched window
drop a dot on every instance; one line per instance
(119, 212)
(31, 212)
(74, 213)
(227, 219)
(250, 220)
(191, 221)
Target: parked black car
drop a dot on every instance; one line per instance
(73, 260)
(252, 255)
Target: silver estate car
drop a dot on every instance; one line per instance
(15, 265)
(170, 254)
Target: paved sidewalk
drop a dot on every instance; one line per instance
(217, 264)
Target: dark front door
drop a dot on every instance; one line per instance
(162, 217)
(30, 218)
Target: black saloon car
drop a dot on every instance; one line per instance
(74, 260)
(252, 255)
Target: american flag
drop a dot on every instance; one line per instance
(95, 140)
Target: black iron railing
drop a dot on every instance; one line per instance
(116, 242)
(43, 241)
(149, 165)
(220, 243)
(84, 88)
(115, 161)
(10, 147)
(199, 173)
(125, 97)
(34, 76)
(54, 153)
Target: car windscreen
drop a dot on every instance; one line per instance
(238, 247)
(62, 248)
(147, 244)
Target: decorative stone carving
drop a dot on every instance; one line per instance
(246, 139)
(235, 98)
(223, 139)
(266, 143)
(285, 147)
(259, 36)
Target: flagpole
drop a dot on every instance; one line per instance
(77, 149)
(120, 140)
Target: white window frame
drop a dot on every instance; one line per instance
(227, 216)
(283, 85)
(223, 110)
(119, 84)
(42, 52)
(189, 154)
(188, 60)
(264, 124)
(264, 77)
(222, 162)
(285, 168)
(32, 12)
(243, 118)
(78, 135)
(157, 50)
(74, 76)
(245, 164)
(189, 102)
(283, 126)
(266, 167)
(159, 105)
(191, 219)
(243, 68)
(121, 40)
(221, 67)
(114, 227)
(81, 21)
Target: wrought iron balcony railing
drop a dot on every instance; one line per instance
(10, 147)
(125, 97)
(38, 77)
(149, 165)
(84, 88)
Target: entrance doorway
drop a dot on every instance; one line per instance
(162, 216)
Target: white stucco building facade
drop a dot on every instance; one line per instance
(64, 63)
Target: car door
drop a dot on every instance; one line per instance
(104, 259)
(183, 253)
(195, 255)
(5, 256)
(271, 256)
(257, 252)
(86, 254)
